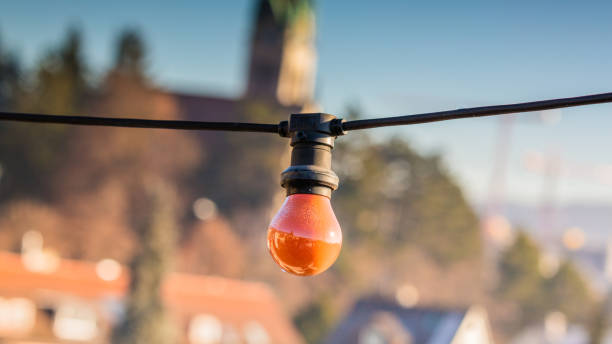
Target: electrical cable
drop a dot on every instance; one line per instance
(279, 128)
(477, 112)
(139, 123)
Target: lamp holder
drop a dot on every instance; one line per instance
(312, 139)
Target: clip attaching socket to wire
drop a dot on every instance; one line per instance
(337, 127)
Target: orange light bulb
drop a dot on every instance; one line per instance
(304, 237)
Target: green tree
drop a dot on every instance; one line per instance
(130, 54)
(316, 319)
(146, 320)
(518, 266)
(30, 155)
(128, 77)
(522, 284)
(520, 281)
(392, 196)
(599, 322)
(10, 79)
(568, 292)
(61, 79)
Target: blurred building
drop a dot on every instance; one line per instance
(76, 301)
(283, 58)
(376, 321)
(281, 65)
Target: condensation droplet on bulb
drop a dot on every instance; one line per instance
(304, 237)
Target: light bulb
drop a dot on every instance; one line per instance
(304, 237)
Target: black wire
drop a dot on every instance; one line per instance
(346, 126)
(477, 112)
(139, 123)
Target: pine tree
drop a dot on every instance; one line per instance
(130, 54)
(10, 83)
(598, 324)
(518, 267)
(316, 319)
(30, 154)
(568, 292)
(392, 196)
(520, 280)
(61, 81)
(146, 320)
(522, 284)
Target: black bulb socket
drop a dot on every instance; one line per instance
(312, 138)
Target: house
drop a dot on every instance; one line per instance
(375, 320)
(58, 300)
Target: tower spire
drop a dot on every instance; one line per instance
(283, 56)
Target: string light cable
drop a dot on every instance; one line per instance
(281, 127)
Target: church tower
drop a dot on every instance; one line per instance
(283, 57)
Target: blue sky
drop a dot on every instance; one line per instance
(390, 58)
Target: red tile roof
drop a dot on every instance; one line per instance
(232, 301)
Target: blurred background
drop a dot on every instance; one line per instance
(473, 231)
